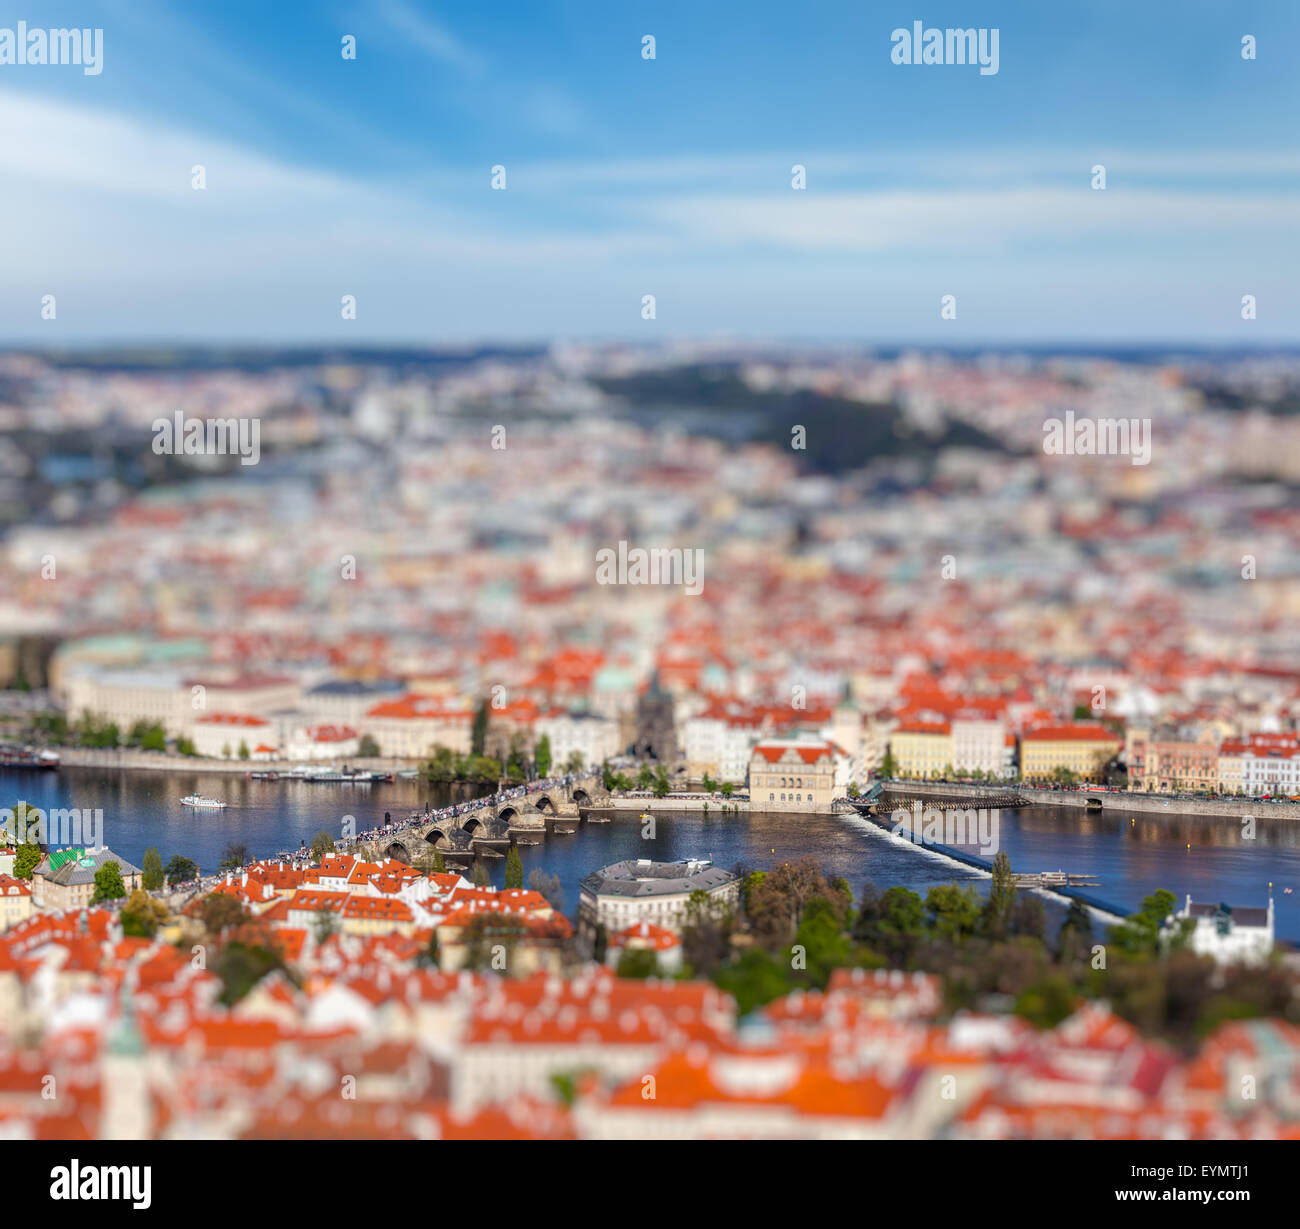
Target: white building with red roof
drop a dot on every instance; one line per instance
(646, 937)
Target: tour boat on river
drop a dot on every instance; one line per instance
(198, 800)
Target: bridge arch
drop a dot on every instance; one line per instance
(507, 812)
(582, 798)
(544, 804)
(399, 851)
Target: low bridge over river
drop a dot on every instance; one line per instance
(486, 830)
(884, 800)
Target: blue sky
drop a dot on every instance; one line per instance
(672, 177)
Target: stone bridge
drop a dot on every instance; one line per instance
(490, 829)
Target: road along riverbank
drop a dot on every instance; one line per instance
(1120, 801)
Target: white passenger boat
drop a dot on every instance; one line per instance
(198, 800)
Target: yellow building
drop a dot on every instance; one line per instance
(921, 749)
(1232, 764)
(377, 915)
(15, 901)
(1082, 748)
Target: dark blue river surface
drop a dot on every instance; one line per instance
(1132, 854)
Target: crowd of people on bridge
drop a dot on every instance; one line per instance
(456, 810)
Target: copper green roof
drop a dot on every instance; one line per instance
(61, 856)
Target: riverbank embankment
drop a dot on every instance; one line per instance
(1120, 801)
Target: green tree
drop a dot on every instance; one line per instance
(820, 943)
(1046, 1003)
(1139, 933)
(185, 746)
(1074, 939)
(368, 748)
(902, 912)
(478, 736)
(549, 886)
(108, 883)
(1002, 896)
(321, 844)
(152, 870)
(481, 877)
(727, 789)
(154, 739)
(755, 979)
(706, 935)
(645, 778)
(220, 911)
(514, 869)
(637, 963)
(442, 765)
(775, 902)
(708, 784)
(236, 854)
(954, 911)
(483, 768)
(888, 765)
(25, 831)
(245, 959)
(661, 785)
(244, 752)
(439, 862)
(142, 915)
(542, 756)
(181, 870)
(574, 762)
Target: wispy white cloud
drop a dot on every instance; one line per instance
(940, 221)
(424, 34)
(99, 210)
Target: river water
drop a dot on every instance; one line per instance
(1131, 854)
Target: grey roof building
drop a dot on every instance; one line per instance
(641, 877)
(638, 890)
(65, 878)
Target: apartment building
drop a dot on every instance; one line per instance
(172, 700)
(921, 748)
(219, 735)
(347, 701)
(719, 742)
(1232, 765)
(410, 727)
(979, 744)
(1083, 748)
(1264, 763)
(1168, 765)
(587, 734)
